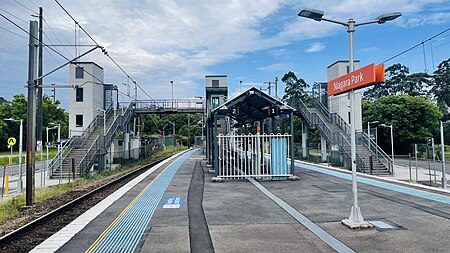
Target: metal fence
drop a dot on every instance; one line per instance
(253, 156)
(335, 158)
(9, 174)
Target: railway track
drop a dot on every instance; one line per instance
(33, 233)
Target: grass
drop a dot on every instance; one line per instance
(11, 207)
(5, 156)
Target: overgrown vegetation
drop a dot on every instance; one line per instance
(11, 207)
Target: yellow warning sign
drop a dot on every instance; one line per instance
(11, 141)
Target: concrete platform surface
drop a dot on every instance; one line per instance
(278, 216)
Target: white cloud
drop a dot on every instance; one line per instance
(161, 40)
(315, 47)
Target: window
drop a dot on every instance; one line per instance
(79, 120)
(215, 83)
(215, 102)
(79, 95)
(79, 72)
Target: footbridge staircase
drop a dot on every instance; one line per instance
(337, 133)
(79, 153)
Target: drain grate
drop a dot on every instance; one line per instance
(385, 225)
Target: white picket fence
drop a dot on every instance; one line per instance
(254, 156)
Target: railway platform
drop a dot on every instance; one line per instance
(175, 207)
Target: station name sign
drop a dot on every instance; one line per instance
(357, 79)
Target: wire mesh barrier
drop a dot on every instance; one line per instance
(254, 156)
(9, 174)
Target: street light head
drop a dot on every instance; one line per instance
(9, 119)
(171, 82)
(388, 17)
(312, 14)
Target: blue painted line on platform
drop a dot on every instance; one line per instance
(397, 188)
(127, 232)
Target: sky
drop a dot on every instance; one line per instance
(253, 41)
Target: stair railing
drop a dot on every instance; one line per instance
(88, 159)
(362, 137)
(335, 138)
(376, 151)
(56, 162)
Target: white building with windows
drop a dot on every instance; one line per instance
(340, 104)
(216, 94)
(87, 97)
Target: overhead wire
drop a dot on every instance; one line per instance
(20, 35)
(14, 15)
(54, 34)
(417, 45)
(54, 50)
(103, 50)
(34, 12)
(33, 3)
(424, 57)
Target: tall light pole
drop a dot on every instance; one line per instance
(55, 126)
(20, 151)
(444, 176)
(173, 131)
(368, 129)
(355, 219)
(392, 143)
(104, 119)
(172, 93)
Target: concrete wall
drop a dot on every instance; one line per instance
(340, 104)
(93, 96)
(215, 96)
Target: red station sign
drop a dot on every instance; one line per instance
(357, 79)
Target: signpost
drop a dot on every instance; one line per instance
(11, 142)
(350, 82)
(357, 79)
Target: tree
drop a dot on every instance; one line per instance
(295, 88)
(395, 74)
(415, 85)
(399, 81)
(414, 118)
(17, 109)
(441, 87)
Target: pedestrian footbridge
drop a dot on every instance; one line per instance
(79, 154)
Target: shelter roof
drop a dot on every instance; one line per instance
(253, 105)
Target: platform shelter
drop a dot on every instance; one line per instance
(246, 151)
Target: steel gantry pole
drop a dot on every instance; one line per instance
(31, 114)
(355, 219)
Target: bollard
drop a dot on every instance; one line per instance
(6, 184)
(410, 169)
(3, 184)
(73, 168)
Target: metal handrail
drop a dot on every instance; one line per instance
(90, 154)
(170, 104)
(316, 120)
(374, 148)
(60, 156)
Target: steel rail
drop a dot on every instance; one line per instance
(29, 226)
